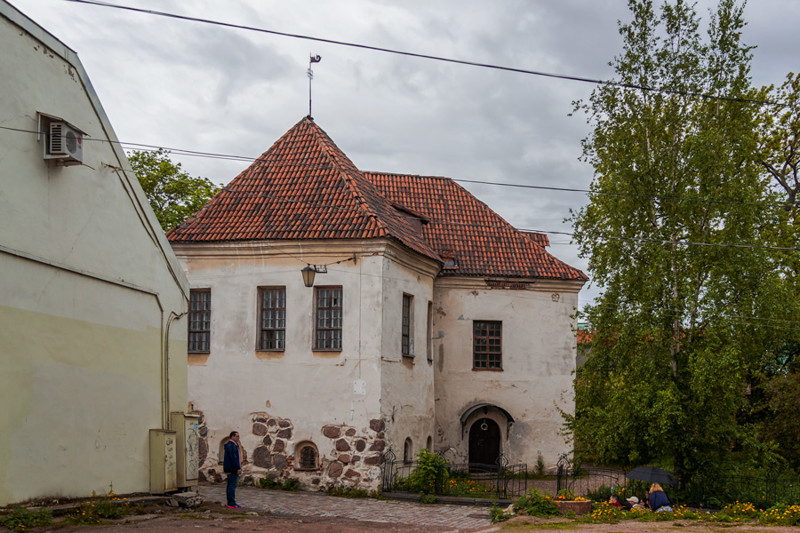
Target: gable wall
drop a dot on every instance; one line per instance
(87, 290)
(538, 358)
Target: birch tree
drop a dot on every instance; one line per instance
(678, 232)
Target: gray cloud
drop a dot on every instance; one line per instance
(214, 89)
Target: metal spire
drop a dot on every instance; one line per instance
(311, 59)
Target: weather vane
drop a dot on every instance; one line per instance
(311, 59)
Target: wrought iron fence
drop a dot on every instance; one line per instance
(587, 481)
(763, 492)
(499, 480)
(702, 491)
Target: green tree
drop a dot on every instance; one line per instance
(776, 391)
(675, 232)
(780, 158)
(174, 195)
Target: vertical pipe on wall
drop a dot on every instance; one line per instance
(165, 404)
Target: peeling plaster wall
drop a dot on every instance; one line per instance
(236, 385)
(538, 357)
(85, 293)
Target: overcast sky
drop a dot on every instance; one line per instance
(207, 88)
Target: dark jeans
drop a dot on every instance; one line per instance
(230, 490)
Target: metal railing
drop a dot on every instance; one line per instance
(499, 480)
(709, 491)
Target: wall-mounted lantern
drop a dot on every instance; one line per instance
(309, 272)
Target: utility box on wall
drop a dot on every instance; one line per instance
(163, 467)
(187, 447)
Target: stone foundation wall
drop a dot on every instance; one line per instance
(347, 456)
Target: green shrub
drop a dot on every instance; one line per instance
(403, 485)
(565, 494)
(498, 514)
(292, 484)
(427, 498)
(432, 472)
(606, 513)
(781, 515)
(22, 519)
(93, 512)
(740, 510)
(600, 494)
(270, 483)
(536, 503)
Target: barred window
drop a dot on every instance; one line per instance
(407, 329)
(307, 456)
(487, 343)
(199, 320)
(272, 318)
(328, 323)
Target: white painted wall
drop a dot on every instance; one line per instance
(87, 288)
(538, 361)
(407, 382)
(310, 388)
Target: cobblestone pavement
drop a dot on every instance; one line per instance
(441, 517)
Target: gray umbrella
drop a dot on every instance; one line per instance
(651, 474)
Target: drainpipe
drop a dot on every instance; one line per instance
(166, 422)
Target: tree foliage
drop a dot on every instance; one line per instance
(174, 195)
(679, 232)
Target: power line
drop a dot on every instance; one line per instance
(581, 79)
(250, 159)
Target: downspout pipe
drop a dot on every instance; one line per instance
(166, 422)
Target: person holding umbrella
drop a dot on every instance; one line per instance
(656, 498)
(659, 502)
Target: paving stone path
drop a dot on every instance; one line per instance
(448, 517)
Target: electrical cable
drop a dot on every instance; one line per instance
(664, 90)
(446, 222)
(249, 159)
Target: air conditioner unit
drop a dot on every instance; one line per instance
(65, 144)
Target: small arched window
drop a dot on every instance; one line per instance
(408, 453)
(306, 456)
(429, 443)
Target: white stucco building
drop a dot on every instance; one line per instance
(92, 349)
(432, 323)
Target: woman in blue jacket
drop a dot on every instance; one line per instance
(658, 499)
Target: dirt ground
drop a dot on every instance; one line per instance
(220, 521)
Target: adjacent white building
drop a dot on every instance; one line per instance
(92, 346)
(431, 322)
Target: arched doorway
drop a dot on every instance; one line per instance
(484, 442)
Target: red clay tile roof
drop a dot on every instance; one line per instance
(305, 187)
(460, 225)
